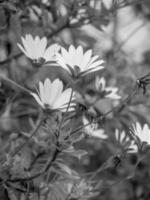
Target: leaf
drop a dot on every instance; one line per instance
(59, 190)
(64, 168)
(70, 173)
(9, 6)
(75, 153)
(3, 193)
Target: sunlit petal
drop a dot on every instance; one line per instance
(75, 57)
(51, 51)
(52, 96)
(47, 91)
(35, 48)
(56, 90)
(63, 99)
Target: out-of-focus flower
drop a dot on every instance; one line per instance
(85, 99)
(107, 3)
(142, 133)
(124, 140)
(76, 62)
(36, 48)
(52, 96)
(92, 130)
(46, 2)
(107, 92)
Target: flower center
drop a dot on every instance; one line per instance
(39, 62)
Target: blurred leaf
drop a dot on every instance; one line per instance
(9, 6)
(75, 153)
(7, 122)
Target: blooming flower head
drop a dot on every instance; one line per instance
(76, 62)
(52, 96)
(124, 141)
(107, 92)
(142, 133)
(36, 48)
(91, 130)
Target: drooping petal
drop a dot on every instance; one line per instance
(28, 46)
(37, 99)
(93, 59)
(41, 92)
(23, 50)
(97, 64)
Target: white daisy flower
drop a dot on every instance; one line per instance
(108, 92)
(52, 96)
(92, 130)
(143, 133)
(36, 48)
(124, 140)
(76, 62)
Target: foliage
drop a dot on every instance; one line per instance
(74, 85)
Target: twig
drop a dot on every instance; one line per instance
(15, 84)
(130, 176)
(11, 58)
(44, 170)
(18, 149)
(123, 103)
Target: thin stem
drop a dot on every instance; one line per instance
(62, 120)
(15, 84)
(71, 96)
(123, 103)
(44, 170)
(11, 58)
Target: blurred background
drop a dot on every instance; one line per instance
(119, 32)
